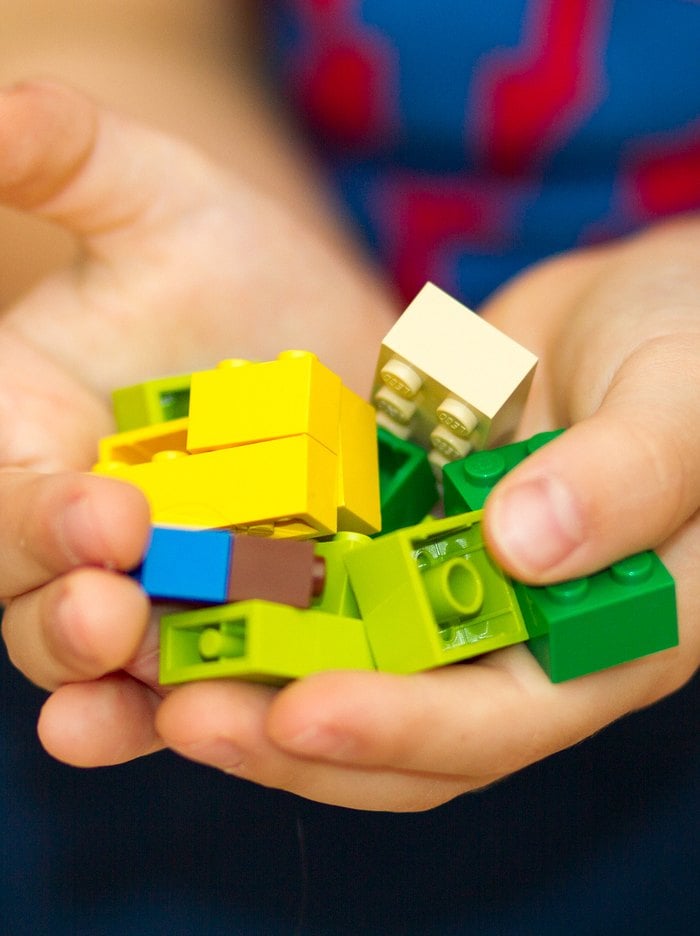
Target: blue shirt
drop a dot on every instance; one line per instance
(470, 140)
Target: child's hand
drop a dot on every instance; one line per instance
(182, 263)
(618, 333)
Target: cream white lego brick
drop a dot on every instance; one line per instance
(452, 375)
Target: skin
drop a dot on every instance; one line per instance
(619, 341)
(618, 334)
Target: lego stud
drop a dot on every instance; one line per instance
(395, 428)
(457, 417)
(255, 529)
(168, 455)
(232, 362)
(454, 589)
(296, 355)
(395, 406)
(568, 593)
(348, 536)
(214, 644)
(633, 569)
(401, 378)
(112, 464)
(484, 469)
(450, 445)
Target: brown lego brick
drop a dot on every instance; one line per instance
(282, 570)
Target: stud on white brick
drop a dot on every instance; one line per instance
(449, 380)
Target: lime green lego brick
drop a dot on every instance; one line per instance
(407, 486)
(152, 402)
(431, 595)
(259, 641)
(469, 481)
(337, 596)
(622, 613)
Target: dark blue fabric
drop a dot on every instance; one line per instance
(601, 839)
(640, 96)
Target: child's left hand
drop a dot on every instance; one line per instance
(617, 330)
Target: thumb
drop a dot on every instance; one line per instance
(617, 482)
(64, 158)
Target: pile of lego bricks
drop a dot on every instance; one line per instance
(293, 518)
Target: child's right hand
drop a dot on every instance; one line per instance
(182, 264)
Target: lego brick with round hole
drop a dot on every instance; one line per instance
(431, 595)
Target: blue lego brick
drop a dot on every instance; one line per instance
(187, 565)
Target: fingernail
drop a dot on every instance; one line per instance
(536, 525)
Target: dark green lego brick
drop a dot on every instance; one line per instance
(622, 613)
(152, 402)
(407, 486)
(431, 595)
(258, 641)
(469, 481)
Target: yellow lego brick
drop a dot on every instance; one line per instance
(139, 445)
(358, 488)
(242, 402)
(449, 380)
(281, 487)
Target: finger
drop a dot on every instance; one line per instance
(79, 627)
(54, 523)
(620, 481)
(489, 717)
(65, 158)
(141, 204)
(409, 742)
(36, 394)
(222, 723)
(478, 721)
(101, 723)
